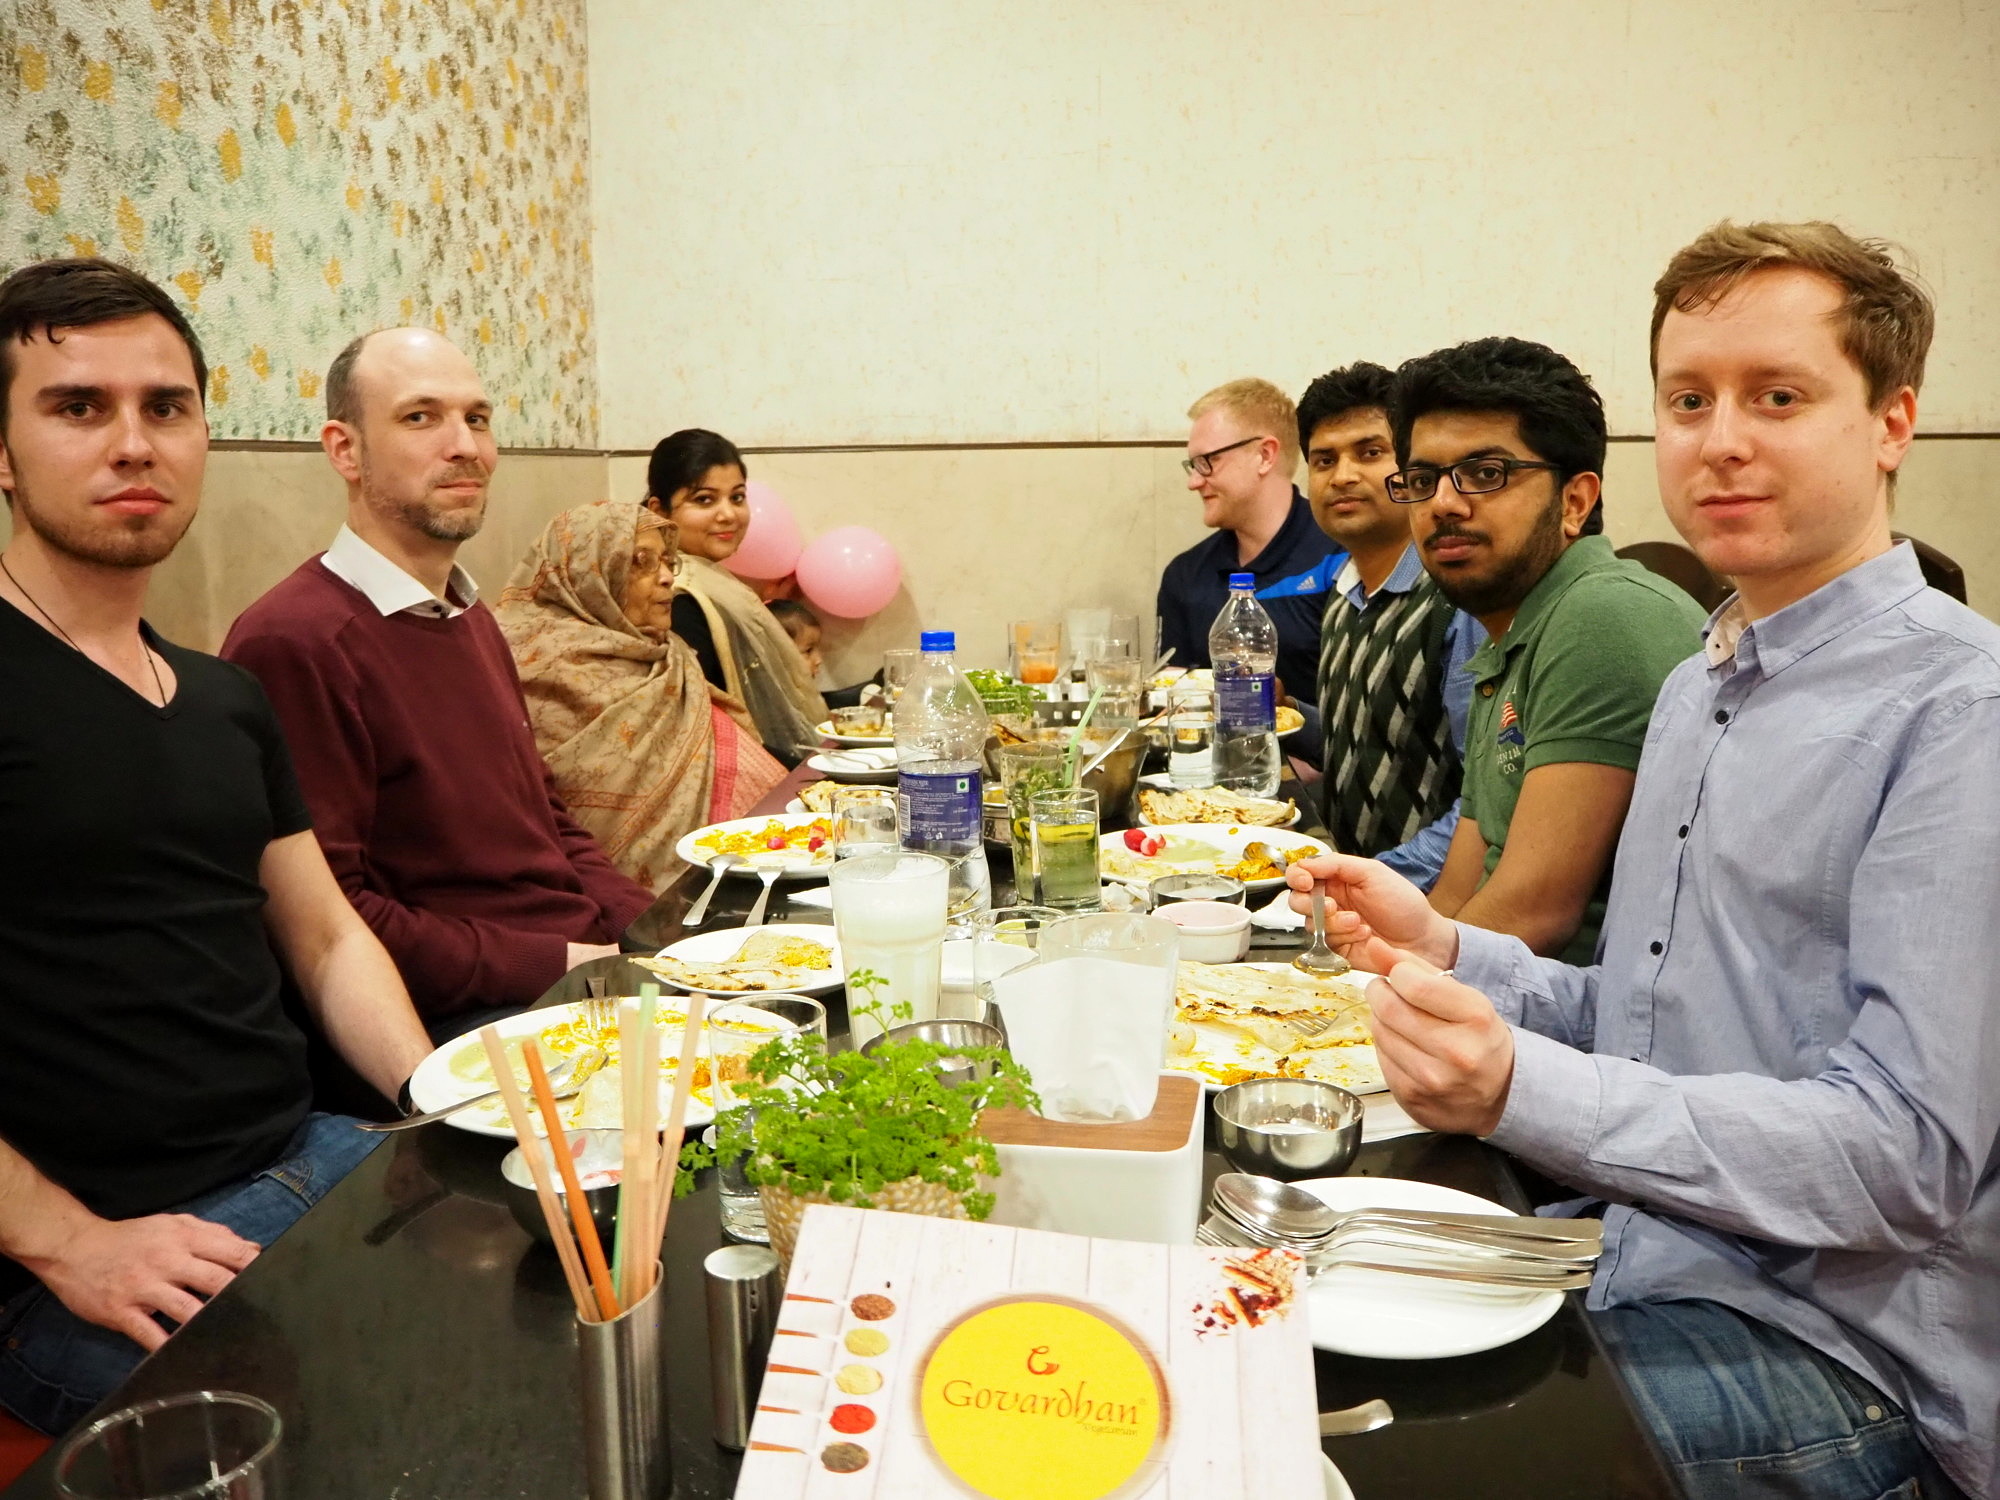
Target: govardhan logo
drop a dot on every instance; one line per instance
(1036, 1400)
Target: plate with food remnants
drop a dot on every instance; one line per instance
(798, 846)
(862, 730)
(1255, 856)
(792, 958)
(1214, 804)
(1235, 1022)
(1288, 720)
(460, 1069)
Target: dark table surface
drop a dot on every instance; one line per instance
(420, 1347)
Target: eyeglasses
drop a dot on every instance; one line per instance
(1471, 476)
(1204, 463)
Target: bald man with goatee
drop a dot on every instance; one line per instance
(399, 699)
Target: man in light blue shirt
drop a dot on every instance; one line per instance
(1782, 1077)
(1393, 689)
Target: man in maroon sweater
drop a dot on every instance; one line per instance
(404, 715)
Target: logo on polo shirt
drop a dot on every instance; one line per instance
(1510, 725)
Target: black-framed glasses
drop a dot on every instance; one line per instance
(1469, 476)
(1204, 463)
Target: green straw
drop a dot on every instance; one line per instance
(1076, 739)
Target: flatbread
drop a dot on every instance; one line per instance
(770, 961)
(1262, 1002)
(1215, 805)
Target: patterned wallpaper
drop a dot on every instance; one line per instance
(302, 170)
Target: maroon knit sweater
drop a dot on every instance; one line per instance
(427, 793)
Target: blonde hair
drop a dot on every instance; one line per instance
(1262, 407)
(1885, 320)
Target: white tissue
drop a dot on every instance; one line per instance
(1092, 1032)
(1279, 916)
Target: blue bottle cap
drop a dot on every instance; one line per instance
(1243, 580)
(938, 640)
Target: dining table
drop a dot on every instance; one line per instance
(419, 1345)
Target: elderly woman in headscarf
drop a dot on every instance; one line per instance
(642, 749)
(697, 479)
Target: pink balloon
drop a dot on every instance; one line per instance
(771, 540)
(851, 572)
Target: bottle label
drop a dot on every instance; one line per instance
(938, 806)
(1247, 704)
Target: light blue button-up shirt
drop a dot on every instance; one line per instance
(1420, 858)
(1784, 1071)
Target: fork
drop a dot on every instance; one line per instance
(566, 1080)
(1544, 1275)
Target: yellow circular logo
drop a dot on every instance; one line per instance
(1042, 1401)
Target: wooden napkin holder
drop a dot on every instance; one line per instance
(1135, 1180)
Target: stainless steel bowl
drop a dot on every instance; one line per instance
(1288, 1128)
(596, 1151)
(945, 1034)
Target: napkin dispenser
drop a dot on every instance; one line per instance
(1132, 1180)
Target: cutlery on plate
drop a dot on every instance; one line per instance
(566, 1079)
(721, 865)
(1366, 1417)
(768, 867)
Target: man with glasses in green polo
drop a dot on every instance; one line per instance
(1500, 446)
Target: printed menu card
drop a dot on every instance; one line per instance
(919, 1357)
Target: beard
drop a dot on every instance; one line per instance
(1513, 578)
(458, 524)
(135, 542)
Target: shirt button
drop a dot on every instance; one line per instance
(1684, 830)
(1722, 716)
(1872, 1413)
(1486, 690)
(1657, 949)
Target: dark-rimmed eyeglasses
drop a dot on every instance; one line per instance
(1204, 463)
(1471, 476)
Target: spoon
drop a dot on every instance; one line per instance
(1366, 1417)
(1318, 958)
(1288, 1214)
(768, 867)
(721, 865)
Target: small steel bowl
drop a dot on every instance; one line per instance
(1288, 1128)
(946, 1034)
(596, 1151)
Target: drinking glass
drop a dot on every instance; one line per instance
(1191, 737)
(864, 821)
(741, 1203)
(1124, 641)
(1065, 837)
(1121, 681)
(898, 667)
(207, 1445)
(733, 1031)
(790, 1012)
(969, 891)
(1025, 770)
(890, 912)
(1089, 632)
(1003, 939)
(1035, 650)
(863, 721)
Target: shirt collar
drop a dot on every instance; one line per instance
(1831, 610)
(391, 590)
(1406, 575)
(1278, 551)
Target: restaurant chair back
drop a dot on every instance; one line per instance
(1680, 567)
(1940, 572)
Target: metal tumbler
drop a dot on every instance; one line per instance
(626, 1454)
(745, 1288)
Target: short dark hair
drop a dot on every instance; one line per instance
(792, 614)
(79, 292)
(1560, 414)
(343, 404)
(1361, 386)
(683, 457)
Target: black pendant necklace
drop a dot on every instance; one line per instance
(144, 649)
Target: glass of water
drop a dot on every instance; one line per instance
(207, 1445)
(864, 821)
(898, 667)
(742, 1205)
(1191, 736)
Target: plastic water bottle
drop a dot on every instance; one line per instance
(1243, 646)
(941, 728)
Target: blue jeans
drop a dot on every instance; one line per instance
(54, 1366)
(1746, 1412)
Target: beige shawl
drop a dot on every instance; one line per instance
(762, 666)
(641, 749)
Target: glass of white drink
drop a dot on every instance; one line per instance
(890, 912)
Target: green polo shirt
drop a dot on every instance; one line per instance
(1573, 679)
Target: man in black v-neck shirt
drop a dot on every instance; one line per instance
(155, 1125)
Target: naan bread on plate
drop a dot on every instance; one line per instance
(770, 961)
(1215, 805)
(1262, 1001)
(818, 797)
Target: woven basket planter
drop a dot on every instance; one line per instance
(785, 1210)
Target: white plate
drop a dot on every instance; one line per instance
(1220, 1045)
(725, 943)
(1292, 822)
(798, 862)
(843, 770)
(1230, 838)
(1336, 1487)
(1380, 1315)
(825, 731)
(437, 1083)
